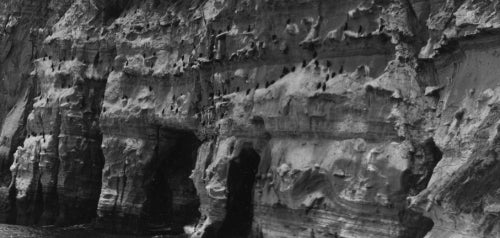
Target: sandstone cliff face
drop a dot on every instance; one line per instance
(223, 118)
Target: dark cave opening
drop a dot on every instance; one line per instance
(240, 184)
(159, 196)
(423, 161)
(171, 199)
(113, 10)
(414, 180)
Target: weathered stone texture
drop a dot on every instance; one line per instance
(260, 118)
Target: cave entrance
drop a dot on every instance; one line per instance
(171, 199)
(240, 184)
(414, 180)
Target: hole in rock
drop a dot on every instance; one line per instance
(423, 161)
(96, 59)
(112, 11)
(240, 184)
(171, 199)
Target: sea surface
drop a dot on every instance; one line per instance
(14, 231)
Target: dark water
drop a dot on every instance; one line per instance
(14, 231)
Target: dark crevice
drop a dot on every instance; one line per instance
(423, 160)
(240, 185)
(113, 10)
(414, 180)
(18, 140)
(171, 199)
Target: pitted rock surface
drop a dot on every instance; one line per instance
(251, 118)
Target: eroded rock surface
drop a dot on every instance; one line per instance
(252, 118)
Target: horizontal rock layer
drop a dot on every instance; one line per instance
(223, 118)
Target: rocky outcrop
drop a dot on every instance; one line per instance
(223, 118)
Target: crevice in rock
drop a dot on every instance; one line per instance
(423, 161)
(124, 182)
(240, 185)
(17, 140)
(113, 10)
(171, 199)
(159, 198)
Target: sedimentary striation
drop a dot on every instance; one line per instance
(252, 118)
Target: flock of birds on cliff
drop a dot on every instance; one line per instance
(255, 49)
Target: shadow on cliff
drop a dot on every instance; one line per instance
(171, 200)
(239, 204)
(414, 180)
